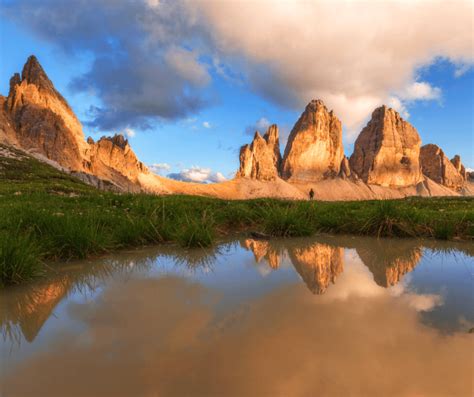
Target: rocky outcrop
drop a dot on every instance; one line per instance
(314, 150)
(261, 159)
(42, 119)
(110, 155)
(36, 118)
(387, 151)
(318, 265)
(456, 160)
(436, 166)
(345, 170)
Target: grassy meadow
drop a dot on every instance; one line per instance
(46, 215)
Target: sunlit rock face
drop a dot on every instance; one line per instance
(436, 166)
(318, 265)
(43, 119)
(387, 151)
(456, 160)
(262, 249)
(390, 262)
(113, 154)
(35, 117)
(261, 159)
(314, 150)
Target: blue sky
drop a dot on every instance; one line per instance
(192, 99)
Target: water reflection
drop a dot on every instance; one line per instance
(160, 322)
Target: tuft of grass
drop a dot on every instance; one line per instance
(287, 221)
(196, 233)
(19, 259)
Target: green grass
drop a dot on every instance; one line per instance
(47, 215)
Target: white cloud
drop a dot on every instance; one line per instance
(159, 168)
(260, 125)
(129, 133)
(420, 91)
(198, 175)
(206, 124)
(353, 55)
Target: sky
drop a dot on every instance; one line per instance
(188, 82)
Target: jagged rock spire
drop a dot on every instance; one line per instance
(261, 159)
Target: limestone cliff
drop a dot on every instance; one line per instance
(387, 151)
(314, 150)
(43, 120)
(261, 159)
(36, 118)
(456, 160)
(436, 166)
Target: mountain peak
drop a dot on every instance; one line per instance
(33, 73)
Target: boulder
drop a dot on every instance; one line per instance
(314, 150)
(387, 151)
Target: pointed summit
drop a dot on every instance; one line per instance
(314, 150)
(33, 73)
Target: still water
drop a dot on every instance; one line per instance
(326, 316)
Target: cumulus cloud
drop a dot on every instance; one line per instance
(353, 55)
(198, 174)
(206, 124)
(159, 168)
(155, 59)
(142, 67)
(260, 125)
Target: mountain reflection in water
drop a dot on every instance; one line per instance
(164, 321)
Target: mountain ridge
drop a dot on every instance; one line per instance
(386, 162)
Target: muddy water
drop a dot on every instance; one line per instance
(332, 316)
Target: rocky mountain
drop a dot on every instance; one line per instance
(439, 168)
(37, 118)
(314, 150)
(261, 159)
(387, 161)
(387, 151)
(43, 120)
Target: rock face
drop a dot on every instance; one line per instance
(436, 166)
(37, 118)
(261, 159)
(456, 160)
(345, 170)
(314, 150)
(113, 154)
(387, 151)
(43, 120)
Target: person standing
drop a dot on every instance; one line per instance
(311, 194)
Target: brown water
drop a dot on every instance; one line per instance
(331, 316)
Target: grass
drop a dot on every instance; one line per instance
(47, 215)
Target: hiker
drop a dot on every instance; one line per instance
(311, 194)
